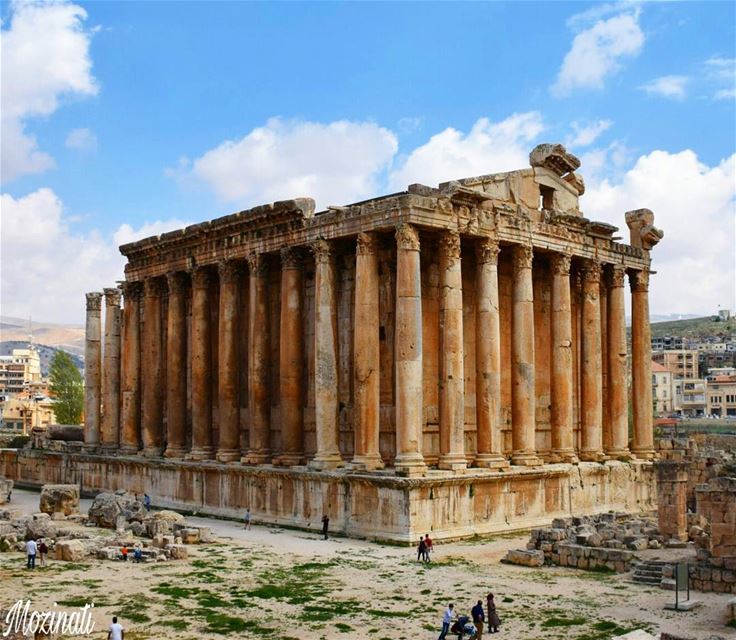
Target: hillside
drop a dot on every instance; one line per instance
(46, 353)
(695, 328)
(58, 336)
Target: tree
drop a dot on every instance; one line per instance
(67, 387)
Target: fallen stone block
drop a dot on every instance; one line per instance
(59, 498)
(524, 558)
(70, 550)
(177, 551)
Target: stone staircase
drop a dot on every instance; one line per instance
(648, 572)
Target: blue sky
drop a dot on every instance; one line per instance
(123, 119)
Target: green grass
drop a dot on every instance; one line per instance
(563, 622)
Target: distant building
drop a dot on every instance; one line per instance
(24, 411)
(19, 370)
(708, 360)
(724, 314)
(682, 363)
(691, 397)
(662, 343)
(662, 390)
(722, 396)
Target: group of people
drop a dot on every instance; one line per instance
(479, 616)
(424, 549)
(137, 553)
(36, 548)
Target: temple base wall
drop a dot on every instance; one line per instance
(374, 506)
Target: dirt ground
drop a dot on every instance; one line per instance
(276, 583)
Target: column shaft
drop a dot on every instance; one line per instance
(563, 447)
(201, 375)
(152, 369)
(591, 448)
(408, 354)
(131, 366)
(488, 357)
(291, 358)
(176, 368)
(523, 405)
(259, 358)
(228, 371)
(617, 357)
(641, 366)
(452, 375)
(325, 354)
(366, 356)
(92, 371)
(110, 429)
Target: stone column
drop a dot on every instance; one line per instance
(563, 446)
(325, 355)
(92, 371)
(259, 358)
(523, 401)
(591, 383)
(672, 480)
(452, 376)
(291, 358)
(366, 356)
(488, 357)
(131, 366)
(110, 425)
(201, 375)
(176, 366)
(228, 449)
(152, 369)
(641, 366)
(618, 410)
(408, 354)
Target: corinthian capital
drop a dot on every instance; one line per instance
(639, 281)
(591, 271)
(131, 290)
(176, 280)
(94, 301)
(153, 287)
(449, 245)
(229, 271)
(202, 278)
(366, 245)
(616, 276)
(257, 264)
(522, 256)
(560, 263)
(112, 297)
(487, 250)
(292, 258)
(322, 251)
(407, 238)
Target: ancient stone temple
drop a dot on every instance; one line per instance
(448, 358)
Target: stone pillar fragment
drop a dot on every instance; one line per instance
(488, 358)
(291, 358)
(92, 371)
(130, 436)
(259, 397)
(228, 372)
(366, 354)
(326, 404)
(618, 414)
(641, 366)
(562, 389)
(201, 375)
(672, 479)
(152, 368)
(408, 354)
(523, 405)
(452, 376)
(176, 366)
(591, 448)
(110, 426)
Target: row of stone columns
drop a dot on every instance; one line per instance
(141, 376)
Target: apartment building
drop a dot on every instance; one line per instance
(681, 363)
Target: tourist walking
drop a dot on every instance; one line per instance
(494, 622)
(478, 618)
(325, 525)
(421, 550)
(147, 501)
(31, 550)
(429, 547)
(116, 631)
(42, 551)
(247, 519)
(446, 621)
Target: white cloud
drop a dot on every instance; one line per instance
(587, 134)
(45, 53)
(695, 205)
(667, 86)
(47, 266)
(722, 71)
(596, 51)
(487, 148)
(334, 163)
(81, 140)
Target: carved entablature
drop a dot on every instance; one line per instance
(487, 250)
(407, 238)
(94, 301)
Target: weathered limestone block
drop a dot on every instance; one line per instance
(177, 551)
(107, 507)
(70, 550)
(62, 498)
(525, 558)
(555, 158)
(189, 536)
(65, 432)
(40, 526)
